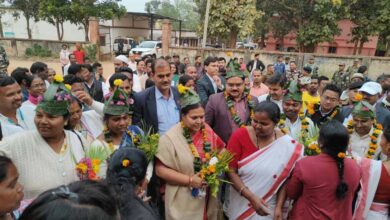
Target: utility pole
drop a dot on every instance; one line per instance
(206, 23)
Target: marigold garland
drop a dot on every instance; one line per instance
(233, 113)
(313, 108)
(304, 126)
(194, 151)
(373, 145)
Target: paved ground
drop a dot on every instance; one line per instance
(108, 67)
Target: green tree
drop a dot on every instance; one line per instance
(232, 18)
(364, 14)
(82, 10)
(29, 9)
(56, 12)
(184, 10)
(1, 14)
(383, 24)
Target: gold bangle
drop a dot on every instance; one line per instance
(242, 189)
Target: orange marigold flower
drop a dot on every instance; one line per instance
(358, 96)
(341, 155)
(379, 126)
(125, 163)
(212, 169)
(207, 156)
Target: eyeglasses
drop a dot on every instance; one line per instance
(36, 86)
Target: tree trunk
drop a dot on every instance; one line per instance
(262, 41)
(28, 27)
(233, 38)
(86, 29)
(355, 47)
(361, 47)
(1, 28)
(62, 30)
(58, 30)
(387, 52)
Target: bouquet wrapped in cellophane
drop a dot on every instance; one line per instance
(214, 166)
(89, 166)
(148, 142)
(311, 144)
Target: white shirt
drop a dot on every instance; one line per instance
(136, 83)
(28, 111)
(295, 128)
(212, 82)
(263, 98)
(359, 145)
(66, 68)
(8, 127)
(133, 65)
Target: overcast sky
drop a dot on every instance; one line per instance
(134, 5)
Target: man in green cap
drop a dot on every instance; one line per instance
(292, 122)
(365, 134)
(232, 109)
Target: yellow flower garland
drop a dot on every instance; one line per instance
(373, 145)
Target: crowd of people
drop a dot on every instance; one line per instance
(302, 145)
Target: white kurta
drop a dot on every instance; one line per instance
(39, 166)
(8, 127)
(359, 145)
(295, 128)
(28, 110)
(263, 98)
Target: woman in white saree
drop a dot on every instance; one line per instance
(263, 160)
(374, 196)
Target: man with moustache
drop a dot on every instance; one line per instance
(12, 119)
(229, 110)
(158, 105)
(291, 121)
(275, 85)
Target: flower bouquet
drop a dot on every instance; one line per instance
(89, 166)
(214, 166)
(311, 144)
(148, 142)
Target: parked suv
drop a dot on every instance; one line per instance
(147, 48)
(123, 45)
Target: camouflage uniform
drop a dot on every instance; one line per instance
(341, 80)
(4, 62)
(314, 69)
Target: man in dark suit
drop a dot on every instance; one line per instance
(255, 64)
(219, 116)
(158, 106)
(328, 108)
(211, 82)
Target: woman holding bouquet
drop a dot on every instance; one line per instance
(46, 157)
(263, 159)
(181, 152)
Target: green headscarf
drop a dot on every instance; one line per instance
(363, 109)
(234, 70)
(57, 98)
(293, 92)
(187, 96)
(118, 102)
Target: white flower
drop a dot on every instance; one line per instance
(213, 161)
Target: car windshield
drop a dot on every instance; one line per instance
(147, 44)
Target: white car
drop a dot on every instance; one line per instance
(123, 45)
(147, 48)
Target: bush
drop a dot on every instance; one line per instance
(91, 51)
(38, 50)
